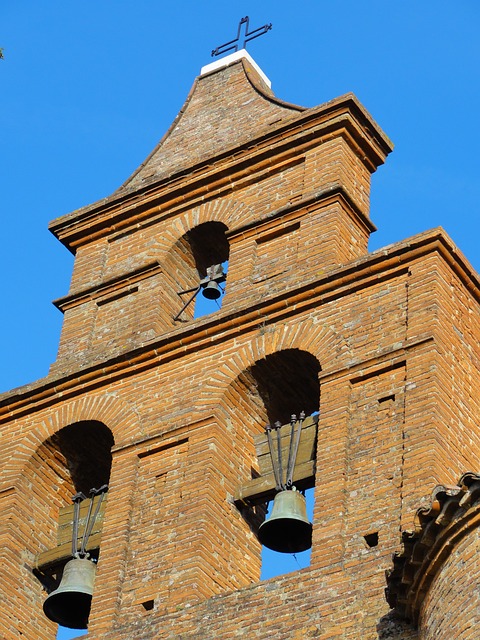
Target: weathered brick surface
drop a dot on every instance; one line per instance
(253, 109)
(394, 335)
(462, 605)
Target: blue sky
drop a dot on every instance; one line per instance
(88, 88)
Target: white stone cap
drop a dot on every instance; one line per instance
(233, 57)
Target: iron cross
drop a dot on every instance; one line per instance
(248, 35)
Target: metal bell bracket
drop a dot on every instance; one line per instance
(90, 521)
(277, 462)
(215, 273)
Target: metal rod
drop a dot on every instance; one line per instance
(278, 427)
(295, 450)
(187, 303)
(91, 521)
(77, 498)
(278, 486)
(293, 419)
(257, 32)
(82, 552)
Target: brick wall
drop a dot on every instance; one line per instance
(385, 345)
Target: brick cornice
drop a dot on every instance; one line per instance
(107, 290)
(343, 117)
(375, 267)
(454, 513)
(334, 193)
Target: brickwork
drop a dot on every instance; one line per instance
(139, 275)
(384, 345)
(462, 605)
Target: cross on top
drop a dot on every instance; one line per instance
(247, 36)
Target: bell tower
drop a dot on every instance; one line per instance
(261, 207)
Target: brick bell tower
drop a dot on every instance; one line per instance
(169, 408)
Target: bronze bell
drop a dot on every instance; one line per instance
(212, 291)
(69, 605)
(288, 529)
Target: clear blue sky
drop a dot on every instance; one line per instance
(88, 88)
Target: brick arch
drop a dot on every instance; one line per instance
(230, 212)
(50, 470)
(320, 341)
(116, 414)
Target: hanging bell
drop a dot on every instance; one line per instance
(69, 605)
(212, 291)
(288, 529)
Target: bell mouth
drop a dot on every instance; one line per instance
(288, 529)
(286, 535)
(212, 291)
(69, 605)
(69, 609)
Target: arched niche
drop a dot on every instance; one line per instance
(199, 248)
(75, 458)
(208, 244)
(287, 382)
(86, 447)
(270, 390)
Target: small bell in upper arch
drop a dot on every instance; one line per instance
(212, 291)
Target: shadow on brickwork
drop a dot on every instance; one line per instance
(391, 627)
